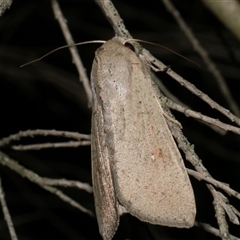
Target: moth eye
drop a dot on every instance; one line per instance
(130, 46)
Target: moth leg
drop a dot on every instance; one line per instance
(122, 210)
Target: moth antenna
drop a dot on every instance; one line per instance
(159, 45)
(65, 46)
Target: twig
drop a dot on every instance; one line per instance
(165, 91)
(40, 146)
(43, 132)
(202, 95)
(220, 213)
(66, 199)
(114, 18)
(198, 115)
(212, 230)
(44, 182)
(174, 100)
(212, 68)
(24, 172)
(66, 183)
(6, 214)
(75, 55)
(218, 184)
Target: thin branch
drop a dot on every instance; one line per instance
(75, 55)
(43, 182)
(202, 96)
(165, 91)
(212, 230)
(114, 18)
(220, 213)
(231, 211)
(218, 184)
(198, 115)
(6, 214)
(39, 146)
(174, 100)
(24, 172)
(43, 132)
(66, 183)
(211, 66)
(66, 199)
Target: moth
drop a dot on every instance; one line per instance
(136, 164)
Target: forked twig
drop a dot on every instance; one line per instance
(47, 183)
(212, 230)
(218, 184)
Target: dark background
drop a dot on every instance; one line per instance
(48, 95)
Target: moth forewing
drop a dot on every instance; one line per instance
(106, 204)
(148, 175)
(151, 180)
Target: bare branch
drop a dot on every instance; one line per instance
(45, 182)
(67, 199)
(198, 115)
(66, 183)
(74, 52)
(6, 214)
(211, 66)
(202, 96)
(212, 230)
(71, 144)
(114, 18)
(43, 132)
(218, 184)
(172, 100)
(220, 213)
